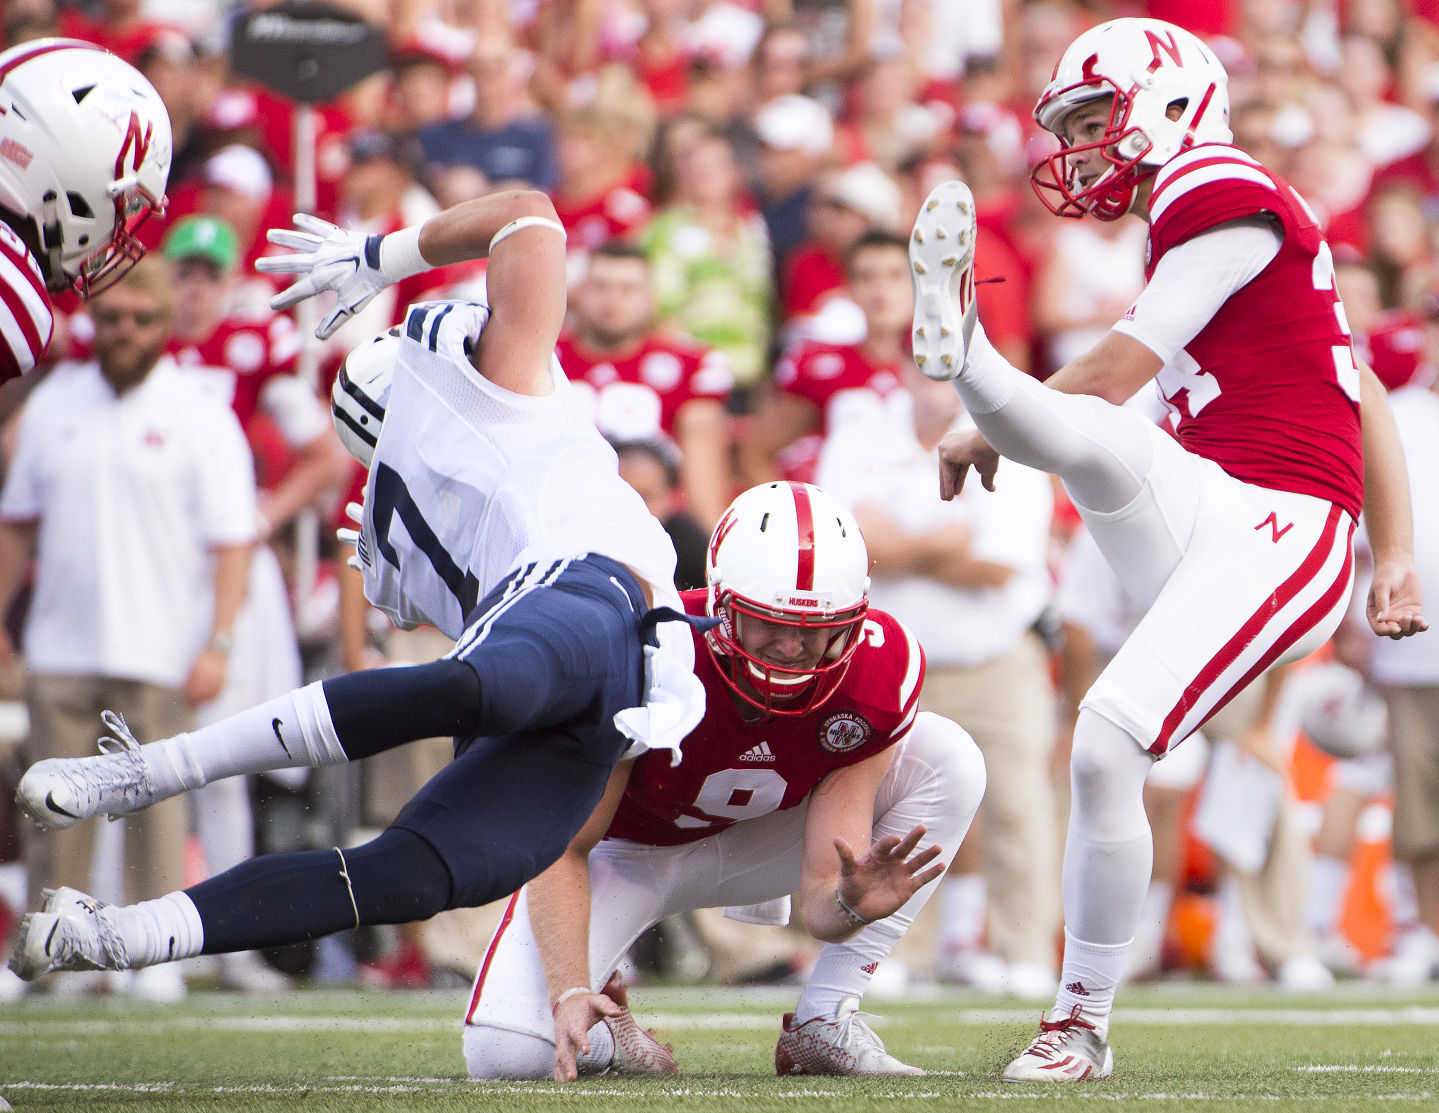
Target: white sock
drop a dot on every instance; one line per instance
(963, 903)
(165, 929)
(601, 1052)
(1328, 886)
(1090, 975)
(289, 732)
(840, 971)
(988, 379)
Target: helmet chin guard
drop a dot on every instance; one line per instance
(787, 555)
(1168, 93)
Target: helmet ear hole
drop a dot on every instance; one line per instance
(78, 206)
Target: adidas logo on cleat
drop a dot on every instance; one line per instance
(1076, 988)
(761, 752)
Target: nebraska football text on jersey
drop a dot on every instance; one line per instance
(1269, 389)
(639, 394)
(26, 317)
(737, 769)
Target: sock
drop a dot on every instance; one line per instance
(841, 971)
(988, 379)
(162, 930)
(963, 903)
(289, 732)
(1089, 977)
(601, 1053)
(1328, 886)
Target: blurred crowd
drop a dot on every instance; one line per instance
(737, 178)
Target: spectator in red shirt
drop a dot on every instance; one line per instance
(818, 385)
(642, 384)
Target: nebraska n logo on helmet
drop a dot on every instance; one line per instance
(85, 149)
(1167, 93)
(790, 555)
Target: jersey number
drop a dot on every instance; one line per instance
(736, 794)
(393, 498)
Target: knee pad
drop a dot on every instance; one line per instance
(498, 1053)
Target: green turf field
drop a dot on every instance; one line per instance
(1176, 1048)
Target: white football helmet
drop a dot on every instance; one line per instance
(85, 149)
(1148, 67)
(362, 392)
(787, 554)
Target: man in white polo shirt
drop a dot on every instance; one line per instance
(135, 493)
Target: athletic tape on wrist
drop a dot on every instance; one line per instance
(400, 254)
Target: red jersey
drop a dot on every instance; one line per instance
(1269, 389)
(733, 769)
(239, 358)
(641, 393)
(827, 374)
(27, 319)
(614, 214)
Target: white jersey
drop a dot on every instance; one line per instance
(470, 481)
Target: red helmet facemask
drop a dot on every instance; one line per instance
(1056, 178)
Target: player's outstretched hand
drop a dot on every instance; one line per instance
(574, 1017)
(1396, 601)
(878, 883)
(327, 258)
(959, 452)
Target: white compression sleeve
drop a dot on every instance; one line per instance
(1195, 279)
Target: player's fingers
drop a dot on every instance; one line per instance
(923, 858)
(314, 225)
(293, 295)
(905, 845)
(293, 241)
(338, 316)
(846, 856)
(355, 511)
(934, 873)
(348, 536)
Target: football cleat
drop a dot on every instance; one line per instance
(844, 1045)
(73, 931)
(1064, 1051)
(60, 792)
(636, 1051)
(941, 265)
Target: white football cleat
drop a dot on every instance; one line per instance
(73, 931)
(844, 1045)
(941, 265)
(1064, 1051)
(636, 1050)
(60, 792)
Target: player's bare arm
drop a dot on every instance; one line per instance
(560, 914)
(840, 891)
(1396, 599)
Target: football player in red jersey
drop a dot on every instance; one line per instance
(1235, 539)
(810, 749)
(84, 158)
(641, 383)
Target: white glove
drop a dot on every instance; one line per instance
(331, 258)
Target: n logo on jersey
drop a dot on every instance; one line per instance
(844, 731)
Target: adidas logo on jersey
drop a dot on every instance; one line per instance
(758, 753)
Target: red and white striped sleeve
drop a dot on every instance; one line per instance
(26, 317)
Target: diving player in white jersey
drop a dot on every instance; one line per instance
(496, 512)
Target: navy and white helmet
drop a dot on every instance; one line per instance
(362, 392)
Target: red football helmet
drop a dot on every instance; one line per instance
(1148, 69)
(787, 554)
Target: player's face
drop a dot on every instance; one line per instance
(880, 285)
(1085, 125)
(777, 643)
(615, 303)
